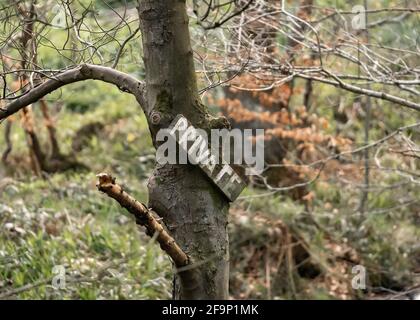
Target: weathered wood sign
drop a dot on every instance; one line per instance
(195, 145)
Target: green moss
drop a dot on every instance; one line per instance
(219, 123)
(164, 103)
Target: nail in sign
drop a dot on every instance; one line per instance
(195, 145)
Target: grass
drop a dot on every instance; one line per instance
(70, 224)
(63, 220)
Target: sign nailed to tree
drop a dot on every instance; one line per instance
(194, 145)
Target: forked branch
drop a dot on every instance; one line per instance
(144, 217)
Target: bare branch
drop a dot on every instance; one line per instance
(372, 93)
(121, 49)
(144, 217)
(83, 72)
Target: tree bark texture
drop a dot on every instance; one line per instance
(194, 211)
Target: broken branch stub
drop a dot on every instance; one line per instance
(144, 217)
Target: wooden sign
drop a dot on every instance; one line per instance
(196, 147)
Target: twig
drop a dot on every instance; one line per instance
(144, 217)
(121, 49)
(24, 288)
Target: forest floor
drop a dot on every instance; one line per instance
(279, 249)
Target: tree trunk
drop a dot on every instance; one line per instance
(194, 211)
